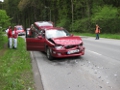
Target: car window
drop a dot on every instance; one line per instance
(56, 33)
(19, 28)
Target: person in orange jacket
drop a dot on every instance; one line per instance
(15, 36)
(10, 36)
(97, 31)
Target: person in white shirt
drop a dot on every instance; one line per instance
(10, 36)
(15, 36)
(7, 29)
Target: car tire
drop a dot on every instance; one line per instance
(49, 56)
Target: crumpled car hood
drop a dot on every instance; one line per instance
(72, 40)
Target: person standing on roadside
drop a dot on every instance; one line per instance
(33, 31)
(15, 36)
(7, 34)
(7, 29)
(10, 37)
(97, 31)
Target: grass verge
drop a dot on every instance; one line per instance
(110, 36)
(15, 67)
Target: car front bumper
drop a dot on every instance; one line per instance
(64, 53)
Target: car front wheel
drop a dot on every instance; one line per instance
(49, 56)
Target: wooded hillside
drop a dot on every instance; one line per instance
(74, 15)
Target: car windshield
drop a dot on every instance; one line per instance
(56, 33)
(19, 28)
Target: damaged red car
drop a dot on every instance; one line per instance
(57, 43)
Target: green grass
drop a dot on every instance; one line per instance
(15, 67)
(110, 36)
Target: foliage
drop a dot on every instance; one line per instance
(4, 19)
(104, 13)
(64, 23)
(75, 15)
(23, 4)
(81, 25)
(107, 18)
(4, 22)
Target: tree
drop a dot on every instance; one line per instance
(4, 19)
(107, 17)
(80, 15)
(4, 22)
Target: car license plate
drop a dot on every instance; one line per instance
(73, 51)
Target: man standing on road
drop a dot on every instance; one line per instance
(97, 31)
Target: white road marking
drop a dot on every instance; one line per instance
(94, 52)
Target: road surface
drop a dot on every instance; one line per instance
(98, 69)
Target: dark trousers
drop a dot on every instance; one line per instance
(97, 36)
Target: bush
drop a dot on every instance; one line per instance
(4, 19)
(1, 36)
(81, 25)
(64, 23)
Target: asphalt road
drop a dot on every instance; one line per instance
(98, 69)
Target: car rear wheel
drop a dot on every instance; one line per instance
(49, 56)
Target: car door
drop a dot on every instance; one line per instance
(35, 44)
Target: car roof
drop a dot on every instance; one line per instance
(55, 28)
(43, 23)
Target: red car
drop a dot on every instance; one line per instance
(56, 42)
(20, 30)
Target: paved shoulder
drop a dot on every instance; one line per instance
(37, 76)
